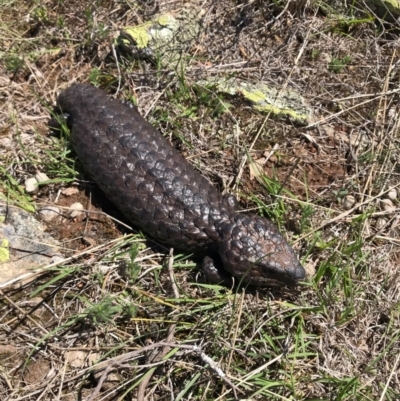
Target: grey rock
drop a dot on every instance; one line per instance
(24, 245)
(41, 177)
(76, 209)
(48, 213)
(31, 185)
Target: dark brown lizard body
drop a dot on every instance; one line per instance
(163, 195)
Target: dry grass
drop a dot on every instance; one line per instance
(120, 319)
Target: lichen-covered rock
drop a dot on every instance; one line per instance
(281, 103)
(23, 243)
(386, 9)
(163, 39)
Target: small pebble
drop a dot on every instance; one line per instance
(48, 213)
(31, 185)
(104, 268)
(310, 268)
(89, 240)
(392, 194)
(70, 191)
(5, 143)
(348, 202)
(76, 209)
(326, 57)
(41, 177)
(387, 205)
(380, 223)
(392, 112)
(76, 359)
